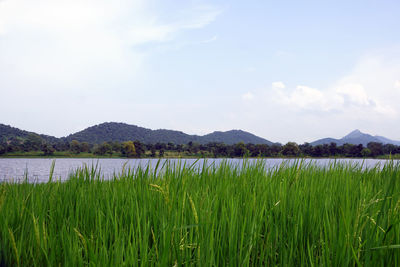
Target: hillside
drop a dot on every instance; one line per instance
(8, 132)
(113, 131)
(356, 137)
(231, 137)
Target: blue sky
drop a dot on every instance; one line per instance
(284, 70)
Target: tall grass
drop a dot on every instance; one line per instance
(225, 215)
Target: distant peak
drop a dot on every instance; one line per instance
(354, 134)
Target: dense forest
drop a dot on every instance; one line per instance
(122, 132)
(124, 140)
(33, 142)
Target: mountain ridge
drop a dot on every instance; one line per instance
(356, 137)
(7, 132)
(118, 131)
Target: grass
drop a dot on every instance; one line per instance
(225, 215)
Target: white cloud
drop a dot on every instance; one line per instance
(306, 97)
(278, 85)
(133, 20)
(248, 96)
(71, 54)
(344, 99)
(397, 84)
(354, 94)
(83, 44)
(367, 91)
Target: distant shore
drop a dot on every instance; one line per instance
(167, 155)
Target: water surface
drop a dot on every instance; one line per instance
(37, 170)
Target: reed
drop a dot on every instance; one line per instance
(206, 215)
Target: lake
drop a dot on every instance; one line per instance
(37, 170)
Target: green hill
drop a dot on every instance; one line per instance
(234, 137)
(113, 131)
(121, 132)
(8, 132)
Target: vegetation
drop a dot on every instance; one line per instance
(36, 147)
(19, 143)
(356, 137)
(225, 215)
(123, 132)
(8, 133)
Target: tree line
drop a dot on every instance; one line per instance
(132, 149)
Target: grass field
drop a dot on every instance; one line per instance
(226, 215)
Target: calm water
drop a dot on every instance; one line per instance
(37, 170)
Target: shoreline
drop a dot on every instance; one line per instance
(388, 157)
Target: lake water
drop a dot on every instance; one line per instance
(37, 170)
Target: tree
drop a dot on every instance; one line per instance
(240, 150)
(170, 146)
(275, 149)
(317, 151)
(254, 151)
(291, 149)
(139, 148)
(62, 146)
(103, 149)
(376, 148)
(365, 152)
(333, 150)
(220, 149)
(33, 142)
(116, 146)
(75, 147)
(389, 149)
(179, 148)
(264, 149)
(84, 147)
(159, 146)
(14, 144)
(2, 149)
(128, 149)
(153, 152)
(351, 150)
(193, 147)
(47, 149)
(306, 149)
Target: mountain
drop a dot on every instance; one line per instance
(356, 137)
(113, 131)
(8, 132)
(232, 137)
(385, 140)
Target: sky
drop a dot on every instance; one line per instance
(283, 70)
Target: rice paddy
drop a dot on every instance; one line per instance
(214, 215)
